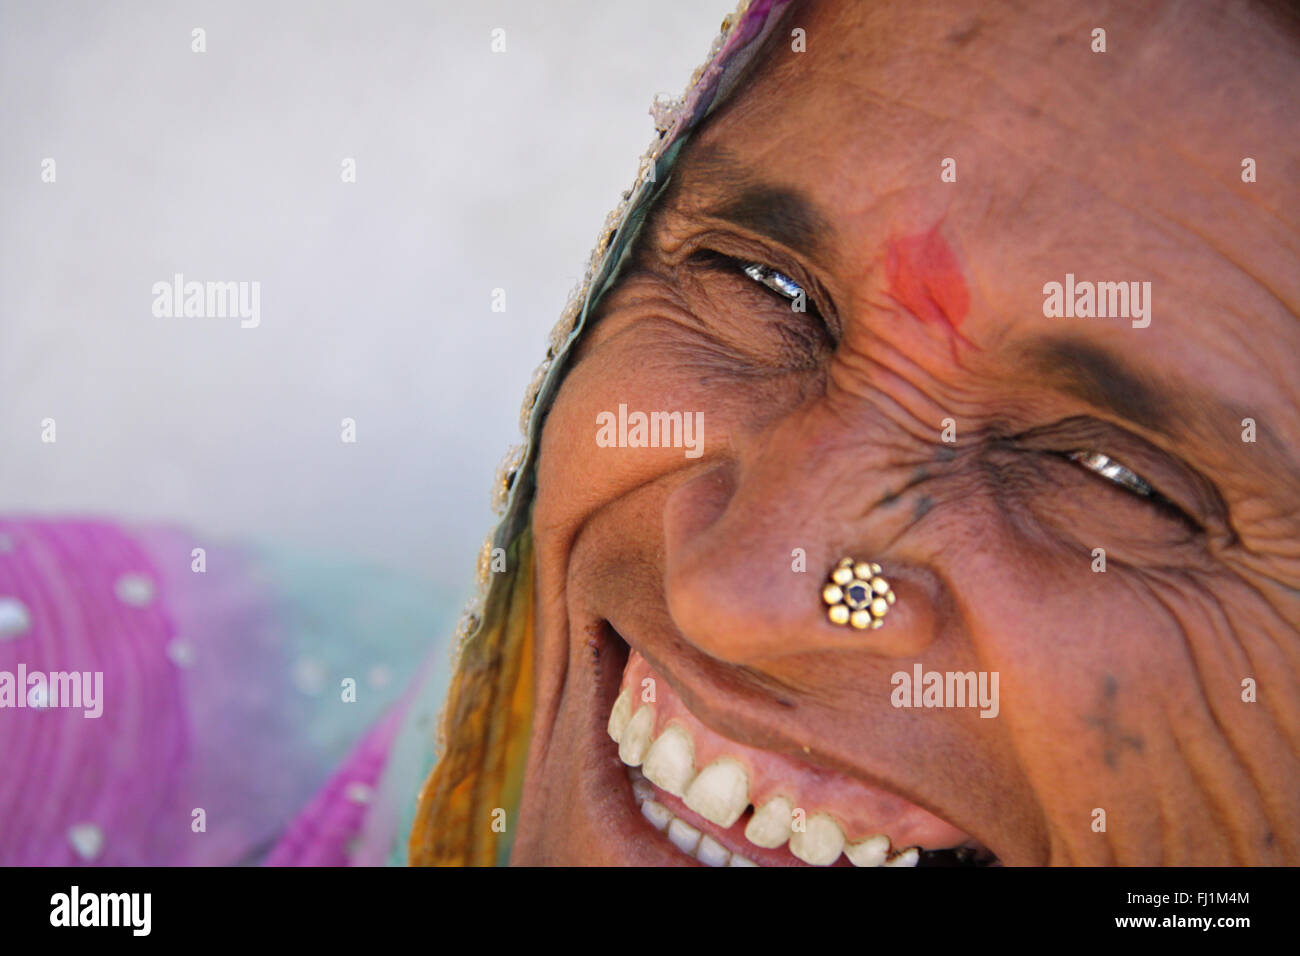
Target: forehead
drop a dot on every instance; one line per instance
(860, 103)
(1061, 162)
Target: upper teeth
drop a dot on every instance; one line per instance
(820, 842)
(635, 740)
(720, 794)
(620, 715)
(770, 825)
(869, 852)
(908, 857)
(670, 764)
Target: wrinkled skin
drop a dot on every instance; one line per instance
(1120, 690)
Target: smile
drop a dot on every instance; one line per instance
(727, 804)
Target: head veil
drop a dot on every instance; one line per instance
(484, 730)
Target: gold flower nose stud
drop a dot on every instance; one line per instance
(857, 595)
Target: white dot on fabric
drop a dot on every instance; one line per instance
(358, 792)
(181, 653)
(87, 840)
(134, 589)
(309, 676)
(14, 619)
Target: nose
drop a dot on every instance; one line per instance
(752, 541)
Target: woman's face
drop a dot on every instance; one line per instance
(923, 175)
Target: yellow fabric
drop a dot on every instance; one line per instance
(485, 732)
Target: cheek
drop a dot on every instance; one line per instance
(1093, 666)
(592, 451)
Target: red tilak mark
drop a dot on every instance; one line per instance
(924, 278)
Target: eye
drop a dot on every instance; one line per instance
(778, 282)
(1113, 471)
(801, 297)
(1178, 491)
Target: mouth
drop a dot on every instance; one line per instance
(723, 803)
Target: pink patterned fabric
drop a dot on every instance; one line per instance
(327, 832)
(63, 770)
(222, 715)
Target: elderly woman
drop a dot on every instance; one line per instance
(913, 478)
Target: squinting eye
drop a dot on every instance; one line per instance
(1112, 470)
(778, 282)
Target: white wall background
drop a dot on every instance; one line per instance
(475, 170)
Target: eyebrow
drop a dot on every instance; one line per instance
(782, 213)
(1089, 373)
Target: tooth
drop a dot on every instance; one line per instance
(908, 857)
(620, 715)
(671, 761)
(636, 736)
(821, 841)
(770, 825)
(869, 852)
(712, 853)
(738, 860)
(720, 793)
(658, 815)
(683, 836)
(642, 790)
